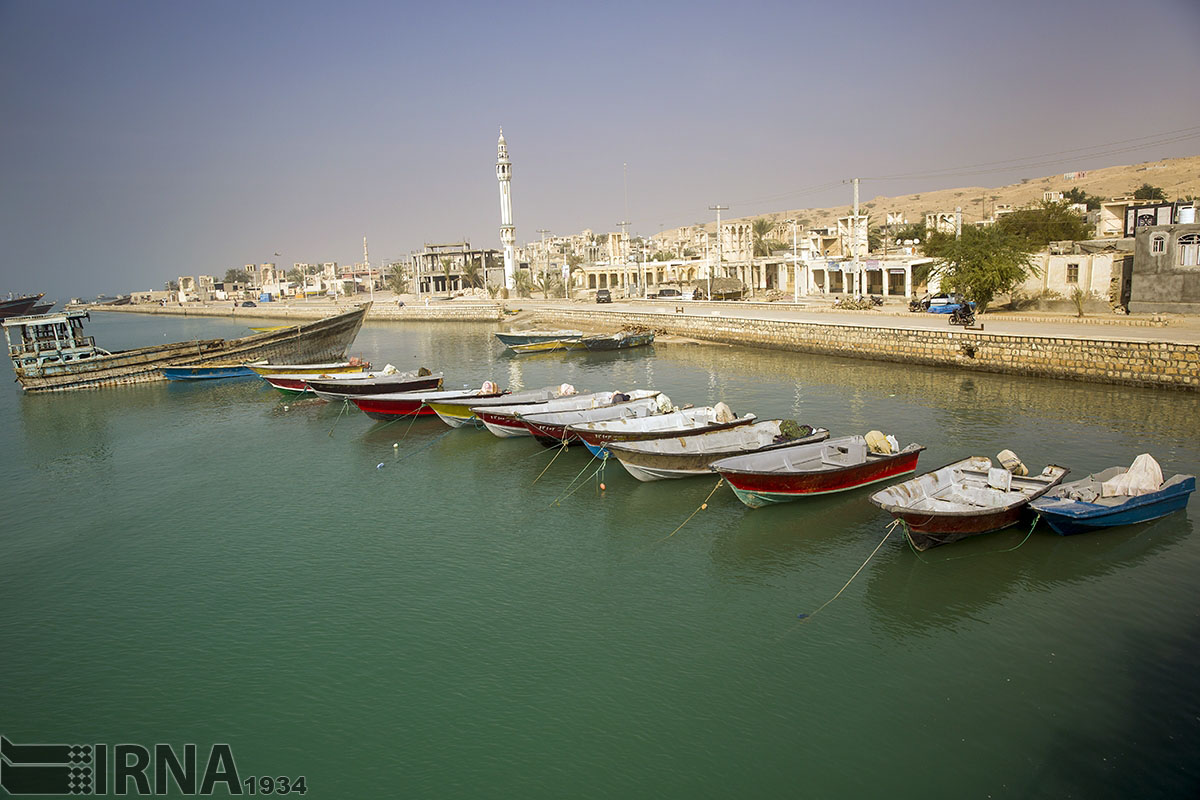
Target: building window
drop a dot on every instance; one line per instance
(1158, 243)
(1072, 273)
(1189, 250)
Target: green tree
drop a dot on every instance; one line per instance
(296, 276)
(1148, 192)
(980, 264)
(1050, 222)
(522, 283)
(914, 231)
(548, 283)
(446, 265)
(760, 232)
(237, 276)
(397, 281)
(473, 274)
(1077, 195)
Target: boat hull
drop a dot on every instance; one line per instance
(349, 388)
(419, 404)
(547, 346)
(207, 373)
(595, 442)
(505, 426)
(757, 489)
(618, 342)
(665, 466)
(1069, 517)
(322, 340)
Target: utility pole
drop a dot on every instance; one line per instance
(718, 209)
(624, 226)
(367, 264)
(958, 222)
(795, 265)
(545, 263)
(858, 277)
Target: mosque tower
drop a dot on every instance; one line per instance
(508, 233)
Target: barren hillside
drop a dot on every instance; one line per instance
(1176, 176)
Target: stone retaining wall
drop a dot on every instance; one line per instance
(446, 312)
(1161, 364)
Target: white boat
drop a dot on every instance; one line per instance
(457, 413)
(684, 422)
(505, 420)
(683, 457)
(551, 428)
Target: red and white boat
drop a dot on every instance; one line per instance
(391, 405)
(806, 470)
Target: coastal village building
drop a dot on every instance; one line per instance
(1166, 268)
(441, 268)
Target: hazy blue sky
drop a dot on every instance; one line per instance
(140, 141)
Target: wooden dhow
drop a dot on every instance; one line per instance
(52, 353)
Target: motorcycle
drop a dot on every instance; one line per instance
(919, 303)
(963, 315)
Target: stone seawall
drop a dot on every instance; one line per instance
(1136, 363)
(445, 312)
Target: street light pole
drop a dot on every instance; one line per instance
(545, 263)
(795, 264)
(720, 257)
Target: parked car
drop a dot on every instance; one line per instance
(946, 303)
(249, 304)
(603, 296)
(669, 293)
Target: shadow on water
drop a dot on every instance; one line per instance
(950, 587)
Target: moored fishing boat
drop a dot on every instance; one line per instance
(403, 404)
(19, 306)
(356, 365)
(550, 428)
(966, 498)
(547, 346)
(337, 387)
(684, 422)
(1109, 499)
(52, 353)
(806, 470)
(510, 338)
(618, 341)
(683, 457)
(457, 413)
(214, 372)
(506, 421)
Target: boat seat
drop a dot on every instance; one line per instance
(844, 455)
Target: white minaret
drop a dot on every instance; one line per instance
(508, 233)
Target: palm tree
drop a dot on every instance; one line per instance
(522, 284)
(446, 264)
(397, 281)
(472, 274)
(761, 230)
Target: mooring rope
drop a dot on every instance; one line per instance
(338, 417)
(556, 455)
(699, 508)
(565, 495)
(890, 528)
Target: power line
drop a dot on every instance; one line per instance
(1110, 148)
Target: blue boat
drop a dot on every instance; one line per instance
(206, 373)
(1068, 511)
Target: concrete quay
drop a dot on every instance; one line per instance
(1137, 351)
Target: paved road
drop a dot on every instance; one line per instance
(1180, 328)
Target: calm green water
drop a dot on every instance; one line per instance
(196, 563)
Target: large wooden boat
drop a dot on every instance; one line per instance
(966, 498)
(806, 470)
(686, 456)
(547, 346)
(618, 341)
(685, 422)
(19, 306)
(52, 353)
